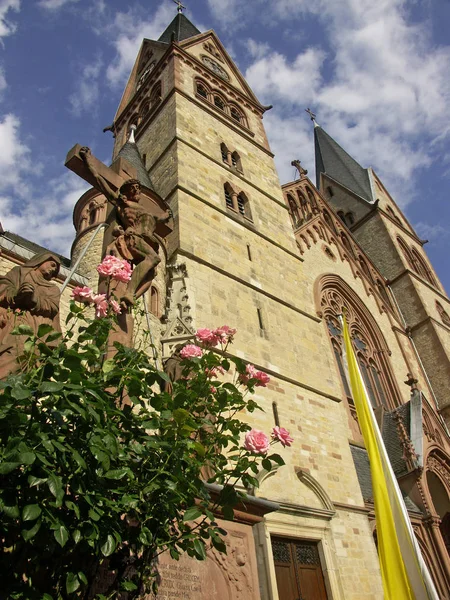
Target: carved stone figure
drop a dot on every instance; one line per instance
(135, 234)
(173, 369)
(27, 297)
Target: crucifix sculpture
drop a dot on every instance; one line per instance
(136, 222)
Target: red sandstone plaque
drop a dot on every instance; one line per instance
(231, 576)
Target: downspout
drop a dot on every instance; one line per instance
(80, 258)
(416, 352)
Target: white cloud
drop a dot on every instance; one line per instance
(434, 233)
(87, 91)
(54, 4)
(129, 29)
(6, 27)
(14, 155)
(381, 90)
(3, 83)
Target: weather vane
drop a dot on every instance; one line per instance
(180, 7)
(311, 114)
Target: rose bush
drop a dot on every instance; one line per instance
(99, 471)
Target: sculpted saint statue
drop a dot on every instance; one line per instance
(27, 297)
(135, 234)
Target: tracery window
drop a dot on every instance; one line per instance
(416, 262)
(294, 211)
(368, 343)
(445, 318)
(214, 98)
(329, 221)
(201, 89)
(155, 95)
(235, 114)
(218, 101)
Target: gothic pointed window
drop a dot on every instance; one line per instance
(329, 221)
(201, 90)
(445, 318)
(243, 205)
(224, 152)
(154, 301)
(341, 215)
(368, 343)
(236, 161)
(349, 218)
(294, 211)
(218, 101)
(236, 114)
(422, 268)
(228, 196)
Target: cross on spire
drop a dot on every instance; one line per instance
(180, 7)
(311, 115)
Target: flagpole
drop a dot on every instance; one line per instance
(418, 573)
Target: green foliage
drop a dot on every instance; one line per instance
(99, 469)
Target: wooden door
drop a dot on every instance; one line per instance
(298, 570)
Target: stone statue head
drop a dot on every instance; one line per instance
(131, 189)
(47, 263)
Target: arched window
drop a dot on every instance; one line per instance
(201, 89)
(422, 268)
(93, 209)
(349, 218)
(406, 253)
(154, 301)
(368, 342)
(155, 95)
(294, 211)
(312, 200)
(341, 215)
(236, 161)
(347, 245)
(445, 318)
(224, 151)
(329, 221)
(236, 114)
(243, 205)
(392, 214)
(364, 268)
(228, 192)
(219, 102)
(384, 293)
(303, 205)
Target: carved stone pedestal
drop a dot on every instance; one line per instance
(231, 576)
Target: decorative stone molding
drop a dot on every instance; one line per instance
(178, 310)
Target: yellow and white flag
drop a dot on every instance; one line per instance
(403, 570)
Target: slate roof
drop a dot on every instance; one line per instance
(35, 248)
(130, 152)
(181, 28)
(334, 161)
(394, 450)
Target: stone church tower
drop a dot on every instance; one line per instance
(280, 263)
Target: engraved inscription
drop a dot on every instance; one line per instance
(178, 581)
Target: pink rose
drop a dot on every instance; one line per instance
(115, 306)
(224, 334)
(212, 389)
(263, 379)
(114, 267)
(191, 351)
(256, 441)
(101, 305)
(282, 435)
(82, 294)
(207, 337)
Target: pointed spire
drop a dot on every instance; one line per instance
(332, 160)
(180, 29)
(130, 152)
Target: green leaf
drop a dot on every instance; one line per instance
(49, 387)
(76, 535)
(47, 597)
(43, 329)
(79, 459)
(108, 365)
(228, 513)
(199, 549)
(219, 544)
(267, 464)
(276, 458)
(55, 485)
(26, 458)
(31, 512)
(82, 577)
(72, 583)
(199, 448)
(117, 473)
(23, 330)
(109, 546)
(7, 467)
(55, 335)
(11, 511)
(61, 535)
(33, 481)
(29, 534)
(180, 415)
(20, 392)
(128, 586)
(192, 513)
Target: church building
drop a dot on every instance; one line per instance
(280, 263)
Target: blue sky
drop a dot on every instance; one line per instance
(376, 73)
